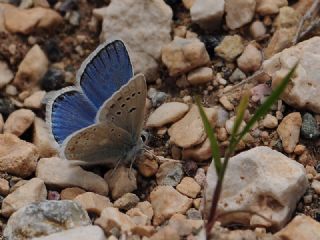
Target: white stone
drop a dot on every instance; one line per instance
(148, 30)
(6, 74)
(18, 122)
(182, 55)
(92, 202)
(239, 12)
(230, 47)
(208, 13)
(200, 76)
(269, 7)
(61, 173)
(259, 180)
(250, 60)
(230, 123)
(35, 100)
(78, 233)
(167, 113)
(304, 87)
(270, 121)
(257, 29)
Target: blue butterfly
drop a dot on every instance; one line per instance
(99, 121)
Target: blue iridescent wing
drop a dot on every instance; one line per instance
(69, 110)
(105, 71)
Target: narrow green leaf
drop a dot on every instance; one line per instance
(212, 138)
(240, 113)
(264, 108)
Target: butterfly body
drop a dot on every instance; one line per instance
(100, 120)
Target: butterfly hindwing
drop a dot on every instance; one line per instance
(101, 143)
(105, 71)
(69, 110)
(126, 107)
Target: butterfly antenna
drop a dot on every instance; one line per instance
(116, 167)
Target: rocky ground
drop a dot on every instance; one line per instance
(210, 48)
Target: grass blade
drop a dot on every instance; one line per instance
(212, 138)
(264, 108)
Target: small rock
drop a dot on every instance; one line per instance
(230, 123)
(138, 217)
(210, 42)
(166, 232)
(157, 97)
(42, 140)
(289, 131)
(6, 74)
(301, 227)
(230, 48)
(190, 168)
(259, 92)
(200, 76)
(185, 226)
(270, 121)
(207, 14)
(17, 157)
(239, 12)
(188, 3)
(200, 177)
(112, 218)
(78, 233)
(167, 113)
(1, 123)
(270, 7)
(287, 18)
(257, 30)
(71, 193)
(60, 173)
(166, 201)
(255, 181)
(194, 214)
(199, 153)
(250, 60)
(189, 131)
(226, 103)
(32, 68)
(299, 149)
(309, 128)
(182, 55)
(53, 195)
(316, 186)
(26, 21)
(121, 181)
(19, 121)
(32, 191)
(4, 187)
(189, 187)
(146, 209)
(148, 167)
(35, 100)
(6, 106)
(169, 173)
(44, 218)
(237, 75)
(127, 201)
(74, 18)
(92, 202)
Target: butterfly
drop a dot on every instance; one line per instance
(100, 119)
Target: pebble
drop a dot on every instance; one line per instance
(53, 195)
(226, 103)
(6, 106)
(250, 60)
(306, 79)
(200, 76)
(207, 14)
(289, 131)
(200, 177)
(32, 191)
(287, 18)
(4, 187)
(210, 42)
(257, 30)
(166, 201)
(6, 74)
(156, 97)
(32, 68)
(189, 187)
(316, 186)
(259, 92)
(230, 48)
(121, 181)
(148, 167)
(26, 21)
(42, 140)
(156, 23)
(166, 232)
(127, 201)
(270, 7)
(146, 208)
(299, 149)
(18, 122)
(185, 226)
(194, 214)
(302, 227)
(257, 178)
(71, 193)
(237, 75)
(11, 90)
(222, 117)
(190, 168)
(182, 55)
(59, 173)
(188, 3)
(199, 153)
(74, 18)
(35, 100)
(78, 233)
(239, 12)
(270, 121)
(92, 202)
(1, 123)
(169, 173)
(112, 218)
(189, 131)
(309, 128)
(44, 218)
(230, 123)
(167, 113)
(138, 217)
(17, 157)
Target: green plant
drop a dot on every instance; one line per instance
(236, 135)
